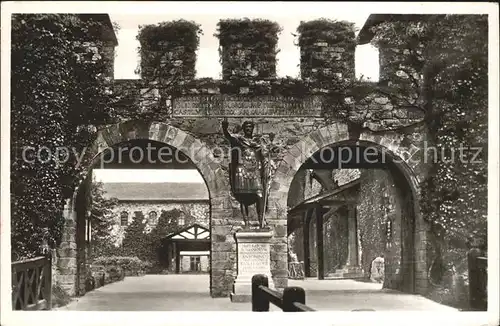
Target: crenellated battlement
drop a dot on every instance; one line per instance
(248, 49)
(249, 87)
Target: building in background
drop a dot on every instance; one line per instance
(188, 245)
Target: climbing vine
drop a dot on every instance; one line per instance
(248, 48)
(456, 201)
(168, 50)
(60, 92)
(168, 58)
(102, 218)
(146, 242)
(326, 46)
(440, 65)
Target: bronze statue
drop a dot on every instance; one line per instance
(248, 170)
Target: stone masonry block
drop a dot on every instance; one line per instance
(280, 231)
(318, 138)
(280, 273)
(222, 214)
(69, 288)
(217, 273)
(221, 229)
(161, 132)
(280, 282)
(67, 245)
(223, 247)
(279, 265)
(178, 139)
(66, 279)
(279, 246)
(221, 265)
(67, 253)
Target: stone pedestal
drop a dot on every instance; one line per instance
(253, 257)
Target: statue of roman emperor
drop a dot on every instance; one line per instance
(248, 170)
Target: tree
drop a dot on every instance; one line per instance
(167, 224)
(136, 242)
(102, 218)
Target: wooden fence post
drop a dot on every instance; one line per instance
(259, 301)
(48, 282)
(477, 289)
(293, 294)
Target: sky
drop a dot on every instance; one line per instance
(208, 57)
(208, 64)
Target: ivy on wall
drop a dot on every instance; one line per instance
(147, 243)
(168, 50)
(326, 46)
(248, 48)
(168, 59)
(60, 92)
(440, 64)
(102, 218)
(248, 55)
(336, 240)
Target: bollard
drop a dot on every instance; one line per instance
(293, 294)
(259, 301)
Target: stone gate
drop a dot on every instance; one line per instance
(300, 125)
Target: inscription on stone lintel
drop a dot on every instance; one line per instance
(253, 258)
(246, 106)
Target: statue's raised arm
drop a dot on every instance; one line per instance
(225, 132)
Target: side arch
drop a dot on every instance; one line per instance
(337, 135)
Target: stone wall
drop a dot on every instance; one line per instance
(194, 213)
(326, 50)
(301, 125)
(335, 240)
(248, 48)
(379, 204)
(66, 253)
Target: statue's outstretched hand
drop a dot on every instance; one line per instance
(225, 124)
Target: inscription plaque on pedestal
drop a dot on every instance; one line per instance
(254, 257)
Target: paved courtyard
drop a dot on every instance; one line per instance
(190, 293)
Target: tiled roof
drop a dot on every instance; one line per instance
(138, 191)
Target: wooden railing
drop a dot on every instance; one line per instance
(293, 298)
(32, 284)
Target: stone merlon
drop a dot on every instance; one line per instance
(108, 32)
(366, 35)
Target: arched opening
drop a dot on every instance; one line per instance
(188, 246)
(350, 204)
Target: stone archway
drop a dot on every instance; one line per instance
(194, 149)
(338, 133)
